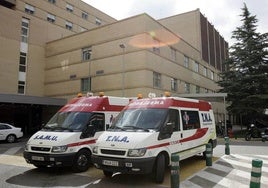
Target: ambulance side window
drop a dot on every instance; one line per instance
(190, 119)
(174, 118)
(98, 122)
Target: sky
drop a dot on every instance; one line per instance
(223, 14)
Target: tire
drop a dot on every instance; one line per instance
(11, 138)
(159, 169)
(108, 173)
(82, 161)
(248, 137)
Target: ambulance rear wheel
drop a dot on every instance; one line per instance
(159, 169)
(108, 173)
(82, 161)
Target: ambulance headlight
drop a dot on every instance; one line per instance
(59, 149)
(136, 152)
(95, 149)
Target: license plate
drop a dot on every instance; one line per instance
(110, 163)
(37, 158)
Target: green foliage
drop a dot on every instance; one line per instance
(245, 78)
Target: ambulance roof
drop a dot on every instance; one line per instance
(167, 102)
(96, 103)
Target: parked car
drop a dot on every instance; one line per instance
(10, 133)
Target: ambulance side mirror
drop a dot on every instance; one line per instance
(166, 131)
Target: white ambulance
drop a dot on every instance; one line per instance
(148, 131)
(68, 137)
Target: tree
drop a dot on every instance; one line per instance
(245, 78)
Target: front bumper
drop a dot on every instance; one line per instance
(49, 159)
(125, 165)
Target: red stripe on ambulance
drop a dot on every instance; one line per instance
(198, 134)
(82, 143)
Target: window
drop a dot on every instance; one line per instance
(157, 80)
(21, 87)
(86, 53)
(197, 89)
(173, 54)
(69, 25)
(52, 1)
(186, 61)
(205, 72)
(85, 15)
(98, 122)
(174, 119)
(69, 8)
(174, 84)
(190, 119)
(51, 18)
(196, 66)
(22, 66)
(211, 75)
(98, 21)
(29, 9)
(187, 88)
(24, 30)
(85, 84)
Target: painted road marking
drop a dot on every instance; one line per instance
(228, 171)
(14, 160)
(12, 151)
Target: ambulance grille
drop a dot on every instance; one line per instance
(40, 149)
(113, 152)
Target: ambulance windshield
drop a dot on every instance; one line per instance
(140, 119)
(68, 121)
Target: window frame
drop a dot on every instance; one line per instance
(29, 9)
(187, 87)
(190, 119)
(205, 71)
(51, 18)
(174, 84)
(84, 15)
(21, 87)
(186, 61)
(24, 30)
(86, 53)
(156, 80)
(52, 1)
(68, 25)
(86, 84)
(196, 66)
(98, 21)
(23, 62)
(69, 7)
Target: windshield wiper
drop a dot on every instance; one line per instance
(59, 128)
(116, 127)
(136, 128)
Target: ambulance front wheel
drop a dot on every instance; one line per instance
(159, 168)
(82, 161)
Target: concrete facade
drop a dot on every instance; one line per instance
(56, 49)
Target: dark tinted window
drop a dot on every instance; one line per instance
(190, 119)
